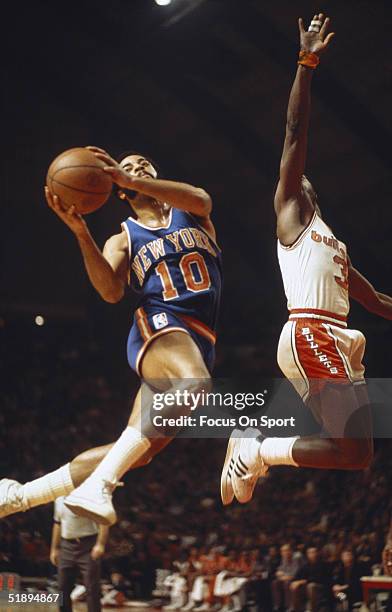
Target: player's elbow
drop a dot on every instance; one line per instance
(374, 304)
(113, 295)
(203, 201)
(293, 126)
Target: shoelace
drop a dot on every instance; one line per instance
(109, 486)
(15, 497)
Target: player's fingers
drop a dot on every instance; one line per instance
(324, 27)
(106, 158)
(301, 26)
(57, 204)
(48, 196)
(110, 170)
(329, 38)
(71, 210)
(53, 201)
(93, 148)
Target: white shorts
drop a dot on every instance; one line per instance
(313, 352)
(228, 585)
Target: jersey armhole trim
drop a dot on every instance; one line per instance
(126, 228)
(301, 235)
(203, 229)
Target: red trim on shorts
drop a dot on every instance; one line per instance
(318, 355)
(199, 328)
(325, 313)
(143, 324)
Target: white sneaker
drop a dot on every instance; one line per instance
(203, 608)
(78, 592)
(189, 606)
(172, 607)
(11, 497)
(248, 467)
(227, 493)
(93, 499)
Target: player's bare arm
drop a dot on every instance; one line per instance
(107, 271)
(194, 200)
(180, 195)
(363, 292)
(292, 208)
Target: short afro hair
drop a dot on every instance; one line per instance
(123, 155)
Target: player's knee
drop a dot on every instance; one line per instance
(357, 454)
(190, 372)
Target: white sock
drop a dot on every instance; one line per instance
(128, 449)
(278, 451)
(45, 489)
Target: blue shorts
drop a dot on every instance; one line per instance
(150, 323)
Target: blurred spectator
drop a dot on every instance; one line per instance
(77, 545)
(286, 570)
(311, 586)
(66, 396)
(347, 578)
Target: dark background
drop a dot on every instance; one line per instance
(202, 86)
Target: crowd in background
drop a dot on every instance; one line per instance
(62, 396)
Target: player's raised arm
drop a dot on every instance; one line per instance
(292, 165)
(363, 292)
(107, 271)
(180, 195)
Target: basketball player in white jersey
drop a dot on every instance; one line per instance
(317, 352)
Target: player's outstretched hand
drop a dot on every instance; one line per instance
(119, 176)
(69, 215)
(315, 39)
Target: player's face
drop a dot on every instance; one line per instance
(285, 551)
(312, 554)
(139, 166)
(347, 557)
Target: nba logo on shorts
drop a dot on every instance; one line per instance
(160, 320)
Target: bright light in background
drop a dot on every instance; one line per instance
(163, 2)
(39, 320)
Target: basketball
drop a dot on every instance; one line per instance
(77, 178)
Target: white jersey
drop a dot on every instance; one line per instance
(315, 273)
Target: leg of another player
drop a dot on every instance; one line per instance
(16, 497)
(345, 443)
(173, 361)
(170, 359)
(173, 356)
(84, 464)
(344, 412)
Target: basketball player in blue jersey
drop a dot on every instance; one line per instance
(168, 254)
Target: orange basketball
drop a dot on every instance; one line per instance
(77, 178)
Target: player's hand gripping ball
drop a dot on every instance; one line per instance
(78, 179)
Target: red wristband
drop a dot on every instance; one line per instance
(311, 60)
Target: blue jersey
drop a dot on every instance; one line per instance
(176, 268)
